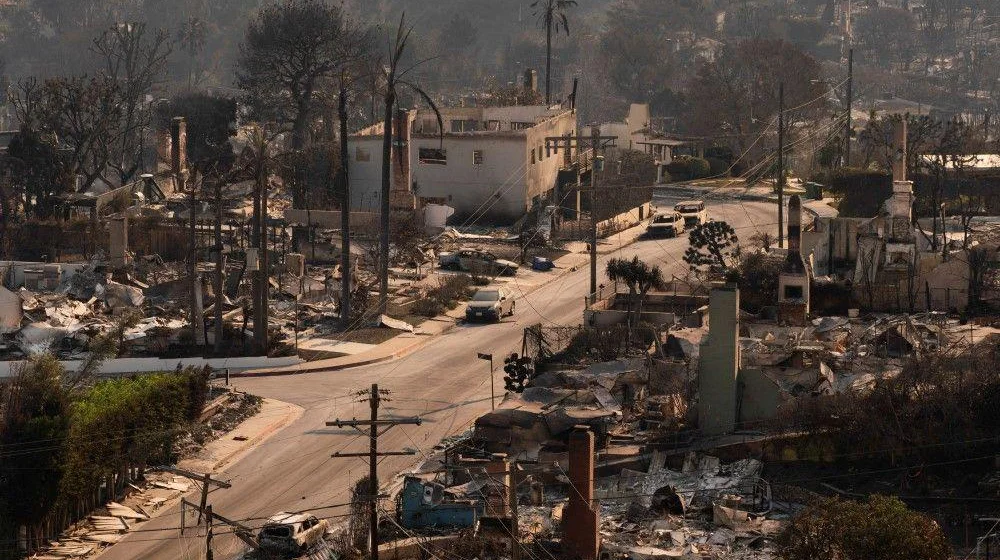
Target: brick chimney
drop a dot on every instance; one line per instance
(401, 193)
(498, 501)
(581, 539)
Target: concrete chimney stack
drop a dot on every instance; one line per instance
(178, 145)
(899, 148)
(719, 362)
(793, 281)
(531, 79)
(581, 539)
(795, 224)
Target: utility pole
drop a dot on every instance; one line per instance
(219, 266)
(781, 165)
(595, 139)
(596, 142)
(374, 398)
(240, 530)
(208, 533)
(515, 530)
(850, 106)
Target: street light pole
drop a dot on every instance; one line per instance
(493, 393)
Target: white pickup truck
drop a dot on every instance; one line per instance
(693, 212)
(669, 224)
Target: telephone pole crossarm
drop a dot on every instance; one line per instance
(380, 454)
(390, 423)
(196, 476)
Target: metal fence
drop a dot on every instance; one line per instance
(542, 343)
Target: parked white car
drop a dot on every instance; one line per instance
(693, 212)
(490, 304)
(291, 534)
(670, 224)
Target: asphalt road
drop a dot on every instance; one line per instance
(443, 382)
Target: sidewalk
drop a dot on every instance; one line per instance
(217, 454)
(527, 281)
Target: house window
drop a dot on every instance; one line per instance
(540, 155)
(521, 125)
(362, 154)
(469, 125)
(532, 156)
(793, 292)
(430, 126)
(477, 157)
(433, 156)
(493, 125)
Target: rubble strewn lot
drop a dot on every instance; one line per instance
(663, 488)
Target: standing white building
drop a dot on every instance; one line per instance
(490, 162)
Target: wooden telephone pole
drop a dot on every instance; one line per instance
(240, 530)
(596, 142)
(781, 165)
(850, 107)
(376, 428)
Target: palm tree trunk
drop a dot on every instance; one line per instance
(548, 58)
(345, 212)
(260, 240)
(383, 265)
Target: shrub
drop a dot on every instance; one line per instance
(881, 528)
(861, 191)
(686, 168)
(717, 167)
(757, 277)
(446, 295)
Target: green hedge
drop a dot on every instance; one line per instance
(128, 422)
(686, 168)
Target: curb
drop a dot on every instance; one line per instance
(338, 367)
